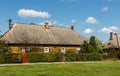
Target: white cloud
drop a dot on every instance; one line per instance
(73, 20)
(114, 28)
(88, 31)
(109, 29)
(32, 13)
(91, 20)
(105, 9)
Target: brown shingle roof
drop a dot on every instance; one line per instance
(38, 34)
(114, 42)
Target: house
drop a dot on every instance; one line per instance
(113, 44)
(42, 38)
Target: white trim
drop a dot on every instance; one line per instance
(46, 49)
(77, 50)
(63, 50)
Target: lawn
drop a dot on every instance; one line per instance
(104, 68)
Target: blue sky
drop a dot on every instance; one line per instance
(89, 17)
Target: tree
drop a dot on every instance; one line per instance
(3, 46)
(84, 47)
(93, 46)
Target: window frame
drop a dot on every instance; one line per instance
(46, 49)
(63, 50)
(78, 50)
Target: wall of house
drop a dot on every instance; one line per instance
(18, 49)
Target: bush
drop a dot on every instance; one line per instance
(35, 57)
(70, 56)
(88, 57)
(2, 60)
(10, 58)
(44, 57)
(59, 57)
(108, 56)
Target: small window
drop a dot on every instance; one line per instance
(78, 50)
(46, 49)
(25, 49)
(63, 50)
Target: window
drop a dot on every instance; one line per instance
(63, 50)
(35, 49)
(25, 49)
(46, 49)
(78, 50)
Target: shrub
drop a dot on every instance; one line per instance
(35, 57)
(10, 58)
(107, 56)
(70, 56)
(59, 57)
(2, 60)
(88, 57)
(44, 57)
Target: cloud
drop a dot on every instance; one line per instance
(88, 31)
(107, 30)
(105, 9)
(32, 13)
(91, 20)
(73, 20)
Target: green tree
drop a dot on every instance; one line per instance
(92, 46)
(84, 47)
(95, 46)
(3, 46)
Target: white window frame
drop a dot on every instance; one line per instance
(46, 49)
(78, 50)
(63, 50)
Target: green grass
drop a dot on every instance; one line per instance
(108, 68)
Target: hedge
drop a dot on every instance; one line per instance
(10, 58)
(44, 57)
(83, 57)
(88, 57)
(58, 57)
(51, 57)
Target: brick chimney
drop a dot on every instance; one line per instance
(46, 25)
(72, 28)
(111, 35)
(10, 23)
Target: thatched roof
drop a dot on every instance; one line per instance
(39, 34)
(113, 42)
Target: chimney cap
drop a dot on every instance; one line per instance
(47, 25)
(10, 23)
(10, 19)
(111, 35)
(72, 27)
